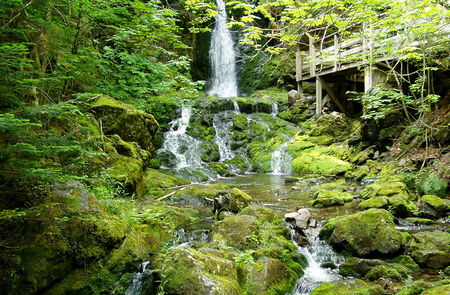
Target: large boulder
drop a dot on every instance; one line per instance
(197, 272)
(364, 234)
(156, 184)
(431, 249)
(312, 161)
(125, 120)
(348, 287)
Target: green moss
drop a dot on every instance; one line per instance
(270, 277)
(156, 184)
(332, 198)
(189, 271)
(433, 206)
(239, 199)
(445, 289)
(430, 183)
(375, 202)
(239, 162)
(348, 287)
(419, 221)
(128, 171)
(375, 233)
(431, 249)
(221, 169)
(313, 162)
(384, 187)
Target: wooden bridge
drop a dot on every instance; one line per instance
(325, 55)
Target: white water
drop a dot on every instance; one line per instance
(183, 146)
(281, 160)
(137, 285)
(316, 253)
(184, 149)
(222, 123)
(223, 58)
(274, 109)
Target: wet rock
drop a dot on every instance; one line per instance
(348, 287)
(331, 198)
(431, 249)
(193, 272)
(364, 234)
(233, 200)
(433, 207)
(301, 218)
(292, 97)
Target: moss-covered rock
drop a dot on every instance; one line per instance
(445, 289)
(364, 233)
(388, 193)
(125, 120)
(332, 198)
(239, 162)
(431, 249)
(190, 272)
(128, 171)
(348, 287)
(375, 269)
(314, 162)
(270, 276)
(221, 169)
(156, 184)
(433, 207)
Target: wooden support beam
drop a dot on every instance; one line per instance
(336, 53)
(318, 96)
(368, 79)
(332, 94)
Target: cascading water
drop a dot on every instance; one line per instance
(222, 123)
(281, 160)
(139, 280)
(223, 58)
(274, 109)
(316, 253)
(182, 148)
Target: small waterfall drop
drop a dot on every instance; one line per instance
(183, 149)
(223, 58)
(138, 284)
(274, 109)
(317, 252)
(222, 123)
(281, 160)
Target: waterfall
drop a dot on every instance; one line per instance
(222, 57)
(139, 280)
(316, 253)
(182, 150)
(222, 123)
(281, 160)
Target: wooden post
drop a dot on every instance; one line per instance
(298, 67)
(318, 96)
(332, 95)
(336, 53)
(368, 79)
(312, 57)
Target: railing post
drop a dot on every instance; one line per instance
(312, 56)
(318, 96)
(298, 67)
(336, 53)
